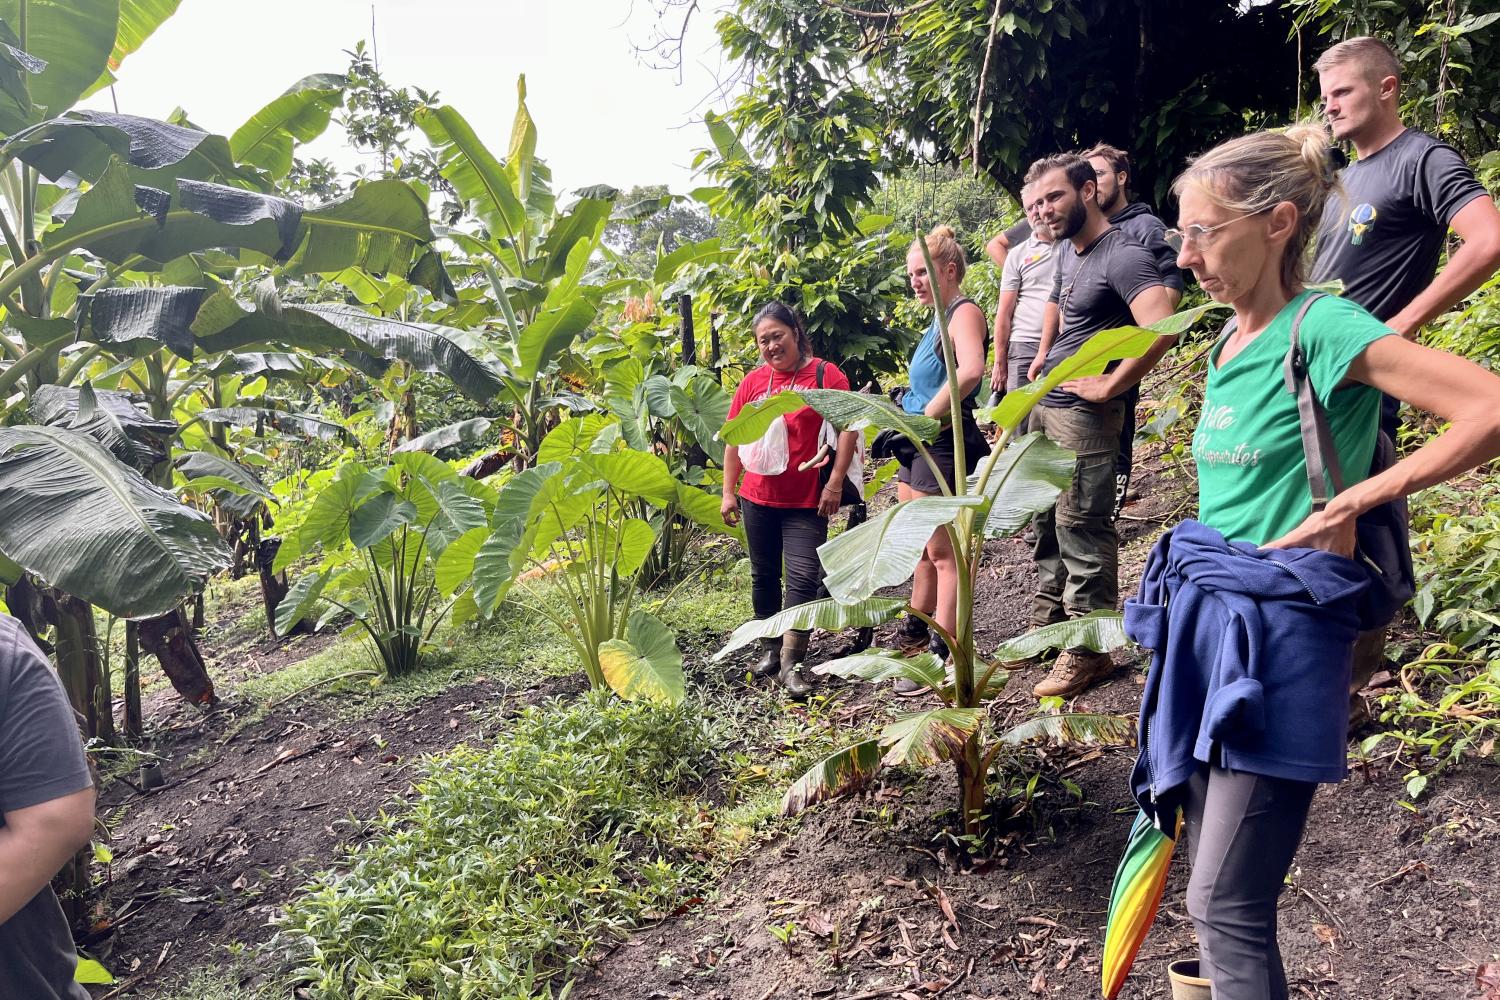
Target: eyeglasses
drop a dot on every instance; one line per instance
(1198, 236)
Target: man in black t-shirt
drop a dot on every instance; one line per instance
(1112, 171)
(1104, 280)
(1383, 235)
(47, 809)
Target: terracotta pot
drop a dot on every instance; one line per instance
(1186, 983)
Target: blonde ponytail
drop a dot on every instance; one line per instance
(1259, 171)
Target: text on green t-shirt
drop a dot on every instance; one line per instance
(1252, 472)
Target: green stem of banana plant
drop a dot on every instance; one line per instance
(29, 361)
(950, 362)
(17, 254)
(78, 364)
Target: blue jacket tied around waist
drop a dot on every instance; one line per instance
(1251, 651)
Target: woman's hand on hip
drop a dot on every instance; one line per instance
(729, 509)
(1325, 529)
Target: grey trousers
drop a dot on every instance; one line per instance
(1242, 832)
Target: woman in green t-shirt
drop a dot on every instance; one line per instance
(1247, 209)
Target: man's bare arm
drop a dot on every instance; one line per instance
(1478, 225)
(37, 841)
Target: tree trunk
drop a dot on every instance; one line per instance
(170, 639)
(134, 727)
(273, 586)
(81, 667)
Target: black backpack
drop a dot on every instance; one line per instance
(1382, 537)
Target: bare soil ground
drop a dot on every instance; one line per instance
(868, 897)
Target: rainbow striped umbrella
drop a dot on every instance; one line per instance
(1134, 897)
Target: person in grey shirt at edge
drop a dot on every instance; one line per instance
(46, 816)
(1112, 168)
(1382, 235)
(1025, 285)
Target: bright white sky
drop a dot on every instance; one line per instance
(604, 116)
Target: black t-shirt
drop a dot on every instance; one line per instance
(41, 759)
(1093, 291)
(1146, 229)
(1382, 238)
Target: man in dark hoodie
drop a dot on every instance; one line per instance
(1112, 168)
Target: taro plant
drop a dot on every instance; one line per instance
(380, 531)
(1023, 475)
(574, 520)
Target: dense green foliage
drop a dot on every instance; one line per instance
(588, 824)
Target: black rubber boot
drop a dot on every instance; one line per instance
(770, 658)
(938, 647)
(793, 652)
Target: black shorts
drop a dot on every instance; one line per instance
(919, 475)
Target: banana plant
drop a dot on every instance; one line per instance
(1022, 476)
(575, 519)
(124, 200)
(537, 258)
(379, 533)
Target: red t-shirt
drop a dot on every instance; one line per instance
(791, 488)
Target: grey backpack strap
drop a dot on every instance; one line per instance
(1317, 440)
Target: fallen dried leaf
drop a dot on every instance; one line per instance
(1487, 978)
(1326, 934)
(1039, 982)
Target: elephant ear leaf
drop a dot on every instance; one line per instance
(646, 665)
(97, 529)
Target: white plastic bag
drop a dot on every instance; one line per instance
(767, 456)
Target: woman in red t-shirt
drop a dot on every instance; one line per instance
(785, 508)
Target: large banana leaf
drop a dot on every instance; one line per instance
(646, 665)
(378, 226)
(111, 418)
(84, 142)
(925, 668)
(297, 116)
(1086, 728)
(1092, 358)
(1100, 631)
(583, 223)
(17, 67)
(825, 614)
(1025, 480)
(465, 432)
(840, 772)
(285, 421)
(139, 19)
(232, 486)
(928, 737)
(74, 38)
(211, 320)
(473, 171)
(94, 528)
(848, 411)
(551, 333)
(885, 550)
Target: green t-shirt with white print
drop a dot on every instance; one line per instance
(1252, 473)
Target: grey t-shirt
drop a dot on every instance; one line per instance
(1145, 228)
(1093, 291)
(1382, 238)
(41, 758)
(1028, 273)
(1017, 234)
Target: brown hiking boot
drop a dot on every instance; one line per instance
(1075, 671)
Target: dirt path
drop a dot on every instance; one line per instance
(868, 901)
